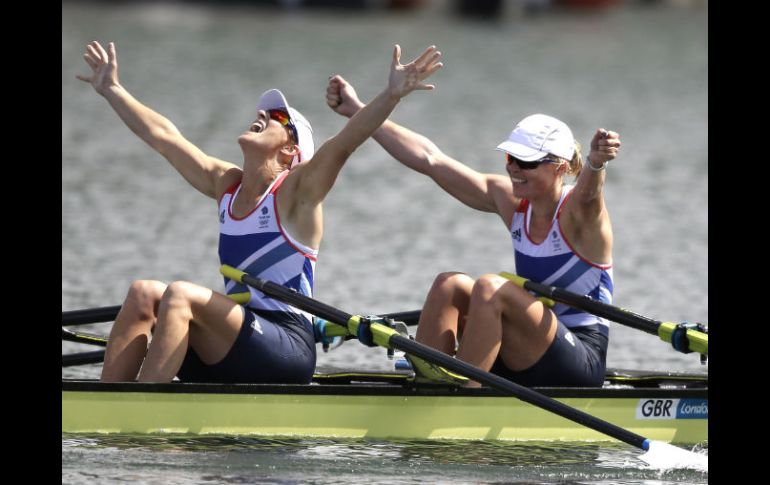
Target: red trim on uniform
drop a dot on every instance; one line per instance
(230, 189)
(278, 182)
(262, 199)
(564, 236)
(523, 203)
(278, 219)
(526, 227)
(563, 203)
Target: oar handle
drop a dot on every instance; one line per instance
(698, 341)
(520, 281)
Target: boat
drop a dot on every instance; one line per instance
(427, 401)
(669, 407)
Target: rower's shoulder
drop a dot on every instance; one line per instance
(501, 190)
(230, 175)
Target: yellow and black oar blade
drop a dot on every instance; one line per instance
(90, 315)
(387, 337)
(681, 337)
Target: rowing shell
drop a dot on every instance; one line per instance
(669, 407)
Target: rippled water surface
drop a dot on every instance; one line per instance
(184, 460)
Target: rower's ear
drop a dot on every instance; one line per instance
(288, 152)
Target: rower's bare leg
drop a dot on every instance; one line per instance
(505, 319)
(192, 315)
(443, 315)
(131, 332)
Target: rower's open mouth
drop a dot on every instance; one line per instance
(257, 127)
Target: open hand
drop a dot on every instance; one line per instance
(406, 78)
(104, 65)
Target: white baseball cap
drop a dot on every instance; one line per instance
(274, 99)
(538, 135)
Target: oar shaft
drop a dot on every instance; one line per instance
(397, 341)
(83, 338)
(291, 297)
(90, 315)
(319, 309)
(596, 307)
(109, 313)
(524, 393)
(411, 317)
(696, 341)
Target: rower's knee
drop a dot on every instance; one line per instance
(448, 285)
(177, 299)
(496, 292)
(486, 290)
(143, 298)
(506, 299)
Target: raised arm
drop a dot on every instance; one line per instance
(484, 192)
(588, 192)
(199, 169)
(585, 220)
(317, 176)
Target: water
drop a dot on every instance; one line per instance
(639, 70)
(178, 460)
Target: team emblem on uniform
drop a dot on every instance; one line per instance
(264, 219)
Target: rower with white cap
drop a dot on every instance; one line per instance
(271, 225)
(561, 237)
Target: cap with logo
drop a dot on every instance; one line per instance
(538, 135)
(274, 99)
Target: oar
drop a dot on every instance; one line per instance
(387, 337)
(682, 337)
(83, 338)
(109, 313)
(90, 315)
(411, 317)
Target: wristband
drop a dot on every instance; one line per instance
(591, 165)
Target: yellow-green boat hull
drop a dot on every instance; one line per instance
(374, 411)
